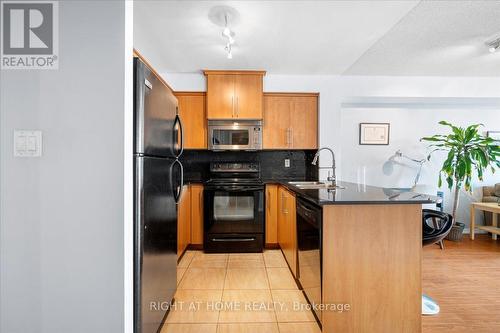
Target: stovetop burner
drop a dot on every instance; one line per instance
(234, 181)
(235, 174)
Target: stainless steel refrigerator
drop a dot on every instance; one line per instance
(158, 177)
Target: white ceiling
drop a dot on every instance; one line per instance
(438, 38)
(323, 37)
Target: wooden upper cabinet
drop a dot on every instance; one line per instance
(304, 122)
(276, 131)
(194, 119)
(220, 96)
(234, 94)
(249, 96)
(290, 121)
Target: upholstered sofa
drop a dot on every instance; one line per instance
(490, 194)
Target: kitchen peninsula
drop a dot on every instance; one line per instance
(371, 241)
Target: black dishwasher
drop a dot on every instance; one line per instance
(309, 251)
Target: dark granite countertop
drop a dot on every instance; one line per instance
(357, 194)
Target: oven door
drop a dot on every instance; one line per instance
(234, 219)
(231, 137)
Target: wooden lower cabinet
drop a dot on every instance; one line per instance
(184, 221)
(196, 214)
(287, 227)
(190, 218)
(271, 215)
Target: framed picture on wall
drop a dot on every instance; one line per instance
(495, 135)
(374, 133)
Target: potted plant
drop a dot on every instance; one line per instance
(467, 151)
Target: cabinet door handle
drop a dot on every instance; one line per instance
(285, 205)
(200, 202)
(237, 106)
(291, 137)
(232, 106)
(282, 203)
(268, 199)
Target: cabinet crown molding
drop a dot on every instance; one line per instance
(190, 93)
(233, 72)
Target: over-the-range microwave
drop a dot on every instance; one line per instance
(235, 135)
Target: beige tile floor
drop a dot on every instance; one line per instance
(232, 293)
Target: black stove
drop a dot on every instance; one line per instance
(234, 208)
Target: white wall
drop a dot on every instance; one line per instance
(455, 98)
(62, 231)
(370, 163)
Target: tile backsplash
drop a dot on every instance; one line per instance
(197, 163)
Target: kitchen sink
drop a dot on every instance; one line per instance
(315, 185)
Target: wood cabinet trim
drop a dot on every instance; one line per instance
(236, 72)
(292, 94)
(190, 93)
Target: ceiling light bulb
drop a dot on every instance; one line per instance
(230, 55)
(231, 40)
(226, 32)
(492, 49)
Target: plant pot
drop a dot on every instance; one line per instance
(457, 232)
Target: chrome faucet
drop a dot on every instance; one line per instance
(331, 178)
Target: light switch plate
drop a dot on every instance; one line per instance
(287, 162)
(27, 143)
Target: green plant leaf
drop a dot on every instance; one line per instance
(449, 180)
(469, 152)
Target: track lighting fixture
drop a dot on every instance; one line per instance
(493, 45)
(227, 33)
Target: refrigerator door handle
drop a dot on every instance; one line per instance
(179, 189)
(181, 143)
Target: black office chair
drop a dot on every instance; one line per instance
(435, 227)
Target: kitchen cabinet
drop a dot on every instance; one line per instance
(196, 214)
(190, 218)
(290, 121)
(194, 119)
(249, 96)
(234, 94)
(184, 221)
(287, 227)
(271, 214)
(275, 134)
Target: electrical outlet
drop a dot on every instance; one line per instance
(287, 162)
